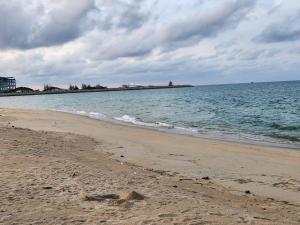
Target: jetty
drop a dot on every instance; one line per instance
(66, 91)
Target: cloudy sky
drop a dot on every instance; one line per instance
(149, 41)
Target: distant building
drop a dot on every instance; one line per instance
(7, 84)
(132, 85)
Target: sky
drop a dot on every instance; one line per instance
(114, 42)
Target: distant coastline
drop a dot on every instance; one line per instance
(63, 91)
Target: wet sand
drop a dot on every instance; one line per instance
(58, 168)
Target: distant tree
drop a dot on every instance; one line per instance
(88, 86)
(73, 87)
(48, 87)
(83, 86)
(98, 86)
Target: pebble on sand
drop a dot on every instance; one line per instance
(133, 195)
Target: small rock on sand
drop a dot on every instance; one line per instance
(133, 195)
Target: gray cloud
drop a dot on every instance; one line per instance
(131, 15)
(62, 24)
(30, 24)
(226, 15)
(136, 43)
(119, 14)
(169, 36)
(287, 30)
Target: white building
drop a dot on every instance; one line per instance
(132, 85)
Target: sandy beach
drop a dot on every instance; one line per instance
(58, 168)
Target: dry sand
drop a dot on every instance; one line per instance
(58, 168)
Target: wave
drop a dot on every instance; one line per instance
(189, 130)
(94, 115)
(198, 132)
(133, 120)
(212, 133)
(282, 127)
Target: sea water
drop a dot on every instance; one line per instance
(255, 112)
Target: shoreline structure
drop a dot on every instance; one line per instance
(93, 90)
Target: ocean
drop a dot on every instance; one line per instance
(265, 113)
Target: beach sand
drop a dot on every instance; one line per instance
(58, 168)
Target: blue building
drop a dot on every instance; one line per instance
(7, 84)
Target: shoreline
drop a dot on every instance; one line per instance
(182, 154)
(62, 168)
(231, 137)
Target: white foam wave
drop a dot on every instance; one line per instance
(97, 115)
(133, 120)
(81, 112)
(189, 130)
(94, 115)
(160, 124)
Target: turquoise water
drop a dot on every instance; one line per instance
(263, 112)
